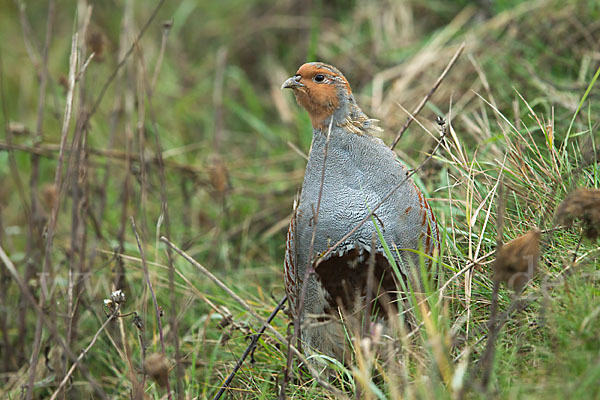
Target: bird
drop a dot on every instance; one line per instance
(349, 171)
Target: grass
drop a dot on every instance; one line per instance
(521, 104)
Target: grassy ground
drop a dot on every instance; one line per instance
(194, 140)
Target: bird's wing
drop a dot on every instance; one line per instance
(290, 273)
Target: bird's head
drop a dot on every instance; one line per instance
(323, 91)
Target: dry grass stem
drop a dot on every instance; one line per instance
(428, 95)
(157, 308)
(121, 63)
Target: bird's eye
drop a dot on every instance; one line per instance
(319, 78)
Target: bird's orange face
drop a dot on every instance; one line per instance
(318, 88)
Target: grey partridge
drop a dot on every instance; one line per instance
(360, 170)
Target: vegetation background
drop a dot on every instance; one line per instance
(178, 121)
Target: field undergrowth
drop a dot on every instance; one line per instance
(171, 116)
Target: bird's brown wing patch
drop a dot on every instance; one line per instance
(345, 279)
(293, 282)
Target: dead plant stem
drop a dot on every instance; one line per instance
(157, 308)
(428, 95)
(167, 223)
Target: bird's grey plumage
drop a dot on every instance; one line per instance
(360, 171)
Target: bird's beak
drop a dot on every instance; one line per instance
(292, 83)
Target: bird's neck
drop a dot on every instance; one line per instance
(350, 118)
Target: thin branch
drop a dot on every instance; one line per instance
(156, 307)
(165, 217)
(79, 189)
(46, 268)
(35, 219)
(44, 73)
(48, 150)
(221, 62)
(163, 46)
(14, 169)
(428, 95)
(249, 349)
(123, 60)
(31, 47)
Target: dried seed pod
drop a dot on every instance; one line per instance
(97, 42)
(219, 176)
(225, 338)
(157, 367)
(582, 204)
(517, 261)
(138, 322)
(50, 196)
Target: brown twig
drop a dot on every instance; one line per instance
(249, 349)
(141, 137)
(36, 214)
(288, 364)
(34, 230)
(154, 301)
(163, 46)
(46, 268)
(428, 95)
(137, 391)
(187, 196)
(31, 47)
(7, 349)
(49, 150)
(79, 192)
(119, 278)
(16, 176)
(14, 169)
(115, 72)
(167, 223)
(139, 324)
(221, 62)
